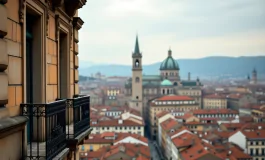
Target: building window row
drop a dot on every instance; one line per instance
(175, 102)
(215, 115)
(120, 128)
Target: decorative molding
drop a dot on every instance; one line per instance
(47, 21)
(77, 23)
(57, 22)
(3, 1)
(72, 5)
(22, 4)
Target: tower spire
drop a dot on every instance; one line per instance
(136, 48)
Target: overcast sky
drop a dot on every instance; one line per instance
(192, 28)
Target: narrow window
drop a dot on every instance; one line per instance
(137, 79)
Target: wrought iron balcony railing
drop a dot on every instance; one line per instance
(46, 129)
(78, 116)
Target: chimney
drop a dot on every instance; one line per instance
(120, 121)
(189, 76)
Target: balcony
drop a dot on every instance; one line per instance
(56, 128)
(78, 117)
(46, 130)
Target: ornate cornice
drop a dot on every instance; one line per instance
(72, 5)
(22, 4)
(3, 1)
(77, 23)
(57, 21)
(47, 21)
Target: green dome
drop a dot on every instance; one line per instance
(169, 63)
(166, 83)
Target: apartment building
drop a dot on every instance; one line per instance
(252, 142)
(214, 101)
(258, 113)
(215, 113)
(168, 103)
(39, 66)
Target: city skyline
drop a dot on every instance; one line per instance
(190, 28)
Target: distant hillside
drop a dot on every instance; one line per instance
(209, 66)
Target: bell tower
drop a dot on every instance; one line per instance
(254, 76)
(137, 87)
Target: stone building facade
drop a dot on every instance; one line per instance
(38, 64)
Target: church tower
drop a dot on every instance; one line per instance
(254, 76)
(137, 87)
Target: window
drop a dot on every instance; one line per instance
(251, 151)
(163, 92)
(137, 63)
(103, 128)
(91, 148)
(137, 79)
(137, 97)
(83, 148)
(139, 127)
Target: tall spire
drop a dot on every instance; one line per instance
(169, 52)
(136, 48)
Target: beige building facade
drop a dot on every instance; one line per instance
(38, 65)
(169, 103)
(214, 101)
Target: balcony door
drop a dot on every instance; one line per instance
(29, 72)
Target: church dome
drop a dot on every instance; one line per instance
(169, 63)
(166, 83)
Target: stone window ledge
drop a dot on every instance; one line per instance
(11, 125)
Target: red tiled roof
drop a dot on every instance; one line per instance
(254, 134)
(253, 126)
(174, 98)
(122, 136)
(131, 150)
(233, 125)
(215, 96)
(196, 147)
(169, 124)
(161, 114)
(112, 137)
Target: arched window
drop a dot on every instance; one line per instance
(175, 83)
(166, 74)
(137, 79)
(137, 63)
(167, 91)
(137, 97)
(163, 91)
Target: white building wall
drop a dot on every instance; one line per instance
(131, 140)
(131, 129)
(239, 139)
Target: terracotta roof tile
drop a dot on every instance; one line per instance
(174, 98)
(169, 124)
(215, 96)
(161, 114)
